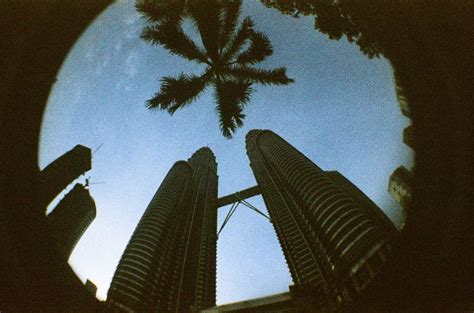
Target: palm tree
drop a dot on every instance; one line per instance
(227, 51)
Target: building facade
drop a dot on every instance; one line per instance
(365, 202)
(63, 171)
(400, 182)
(401, 96)
(408, 136)
(169, 264)
(333, 243)
(91, 287)
(70, 218)
(400, 186)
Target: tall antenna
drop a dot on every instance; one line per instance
(88, 182)
(98, 148)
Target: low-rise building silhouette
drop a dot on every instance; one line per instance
(70, 218)
(61, 172)
(408, 136)
(400, 186)
(401, 96)
(91, 287)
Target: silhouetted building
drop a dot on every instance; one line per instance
(199, 277)
(70, 219)
(400, 186)
(63, 171)
(91, 287)
(400, 182)
(401, 96)
(408, 136)
(335, 244)
(169, 264)
(277, 303)
(300, 299)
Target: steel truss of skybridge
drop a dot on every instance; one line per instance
(239, 198)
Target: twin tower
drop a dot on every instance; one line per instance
(335, 240)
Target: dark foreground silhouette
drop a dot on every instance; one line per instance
(430, 46)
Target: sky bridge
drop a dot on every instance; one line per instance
(237, 198)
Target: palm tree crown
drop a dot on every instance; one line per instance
(227, 51)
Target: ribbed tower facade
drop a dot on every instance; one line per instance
(169, 264)
(70, 219)
(331, 241)
(198, 280)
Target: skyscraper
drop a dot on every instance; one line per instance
(331, 241)
(62, 171)
(70, 218)
(199, 267)
(169, 264)
(364, 201)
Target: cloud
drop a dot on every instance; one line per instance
(118, 45)
(91, 51)
(100, 66)
(76, 97)
(131, 64)
(132, 32)
(90, 54)
(106, 60)
(133, 27)
(132, 17)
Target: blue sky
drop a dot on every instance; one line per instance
(341, 112)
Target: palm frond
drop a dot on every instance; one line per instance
(259, 49)
(231, 96)
(229, 50)
(171, 36)
(266, 77)
(159, 10)
(238, 40)
(206, 15)
(231, 14)
(175, 93)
